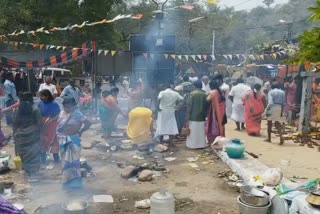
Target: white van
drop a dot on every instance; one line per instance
(54, 72)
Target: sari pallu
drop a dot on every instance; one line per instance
(107, 118)
(217, 111)
(253, 112)
(27, 146)
(48, 137)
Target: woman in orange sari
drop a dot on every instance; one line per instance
(217, 112)
(254, 102)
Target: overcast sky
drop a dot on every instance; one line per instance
(247, 4)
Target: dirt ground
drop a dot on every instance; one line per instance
(304, 161)
(196, 191)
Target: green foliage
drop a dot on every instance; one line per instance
(309, 41)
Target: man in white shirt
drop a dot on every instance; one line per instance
(166, 122)
(47, 85)
(205, 85)
(235, 95)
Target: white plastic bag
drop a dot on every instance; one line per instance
(272, 177)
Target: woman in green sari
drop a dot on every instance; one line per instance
(26, 133)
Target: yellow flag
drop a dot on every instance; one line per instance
(215, 2)
(113, 53)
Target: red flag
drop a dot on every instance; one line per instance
(137, 16)
(187, 7)
(205, 57)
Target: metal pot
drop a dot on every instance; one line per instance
(75, 207)
(254, 197)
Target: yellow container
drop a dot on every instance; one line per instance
(17, 162)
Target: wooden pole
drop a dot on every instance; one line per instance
(305, 115)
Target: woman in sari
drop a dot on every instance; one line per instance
(26, 133)
(72, 123)
(216, 118)
(254, 102)
(109, 111)
(140, 125)
(49, 110)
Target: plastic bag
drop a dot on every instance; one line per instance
(272, 177)
(308, 186)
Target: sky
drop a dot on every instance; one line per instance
(246, 4)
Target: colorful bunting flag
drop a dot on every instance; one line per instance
(166, 56)
(151, 56)
(179, 57)
(145, 55)
(106, 52)
(205, 57)
(187, 7)
(113, 53)
(214, 2)
(173, 56)
(100, 51)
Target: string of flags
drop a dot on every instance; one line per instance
(71, 27)
(194, 57)
(206, 57)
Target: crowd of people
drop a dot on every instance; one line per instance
(43, 129)
(195, 109)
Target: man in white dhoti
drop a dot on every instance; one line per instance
(273, 112)
(197, 106)
(235, 95)
(166, 122)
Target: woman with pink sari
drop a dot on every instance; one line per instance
(254, 102)
(216, 118)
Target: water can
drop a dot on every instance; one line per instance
(17, 162)
(162, 202)
(235, 149)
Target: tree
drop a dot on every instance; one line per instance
(309, 41)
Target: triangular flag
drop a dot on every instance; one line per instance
(41, 46)
(187, 7)
(151, 56)
(186, 56)
(166, 56)
(199, 57)
(64, 47)
(225, 56)
(193, 57)
(262, 57)
(215, 2)
(213, 57)
(113, 53)
(251, 57)
(100, 51)
(205, 57)
(58, 47)
(52, 47)
(230, 56)
(238, 56)
(106, 52)
(179, 57)
(173, 56)
(145, 55)
(137, 16)
(47, 47)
